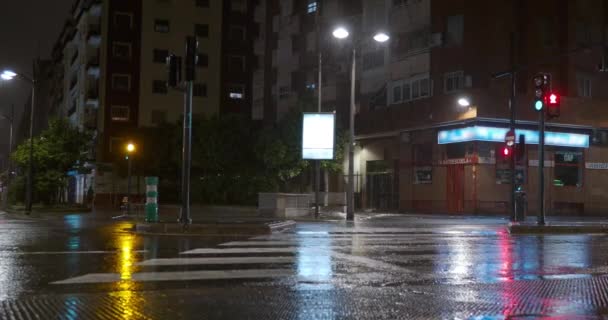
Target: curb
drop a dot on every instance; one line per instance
(206, 229)
(557, 229)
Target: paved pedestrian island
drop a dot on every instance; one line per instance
(385, 267)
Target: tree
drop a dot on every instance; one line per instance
(59, 149)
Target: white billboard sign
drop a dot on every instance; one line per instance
(318, 136)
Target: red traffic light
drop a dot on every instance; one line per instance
(553, 99)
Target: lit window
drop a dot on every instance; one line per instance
(120, 113)
(236, 92)
(312, 6)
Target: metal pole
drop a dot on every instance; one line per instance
(318, 162)
(30, 167)
(186, 154)
(512, 106)
(350, 196)
(541, 169)
(128, 184)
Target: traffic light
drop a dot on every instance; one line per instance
(174, 70)
(552, 101)
(191, 57)
(542, 85)
(507, 152)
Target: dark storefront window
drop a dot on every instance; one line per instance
(568, 171)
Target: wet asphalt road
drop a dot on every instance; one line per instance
(381, 267)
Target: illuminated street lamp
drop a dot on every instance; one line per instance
(464, 102)
(380, 37)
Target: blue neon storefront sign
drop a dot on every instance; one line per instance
(492, 134)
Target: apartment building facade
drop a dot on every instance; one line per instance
(113, 56)
(426, 152)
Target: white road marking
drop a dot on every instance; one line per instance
(215, 261)
(370, 263)
(241, 250)
(24, 253)
(343, 242)
(180, 276)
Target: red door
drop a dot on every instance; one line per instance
(455, 188)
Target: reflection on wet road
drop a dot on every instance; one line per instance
(388, 267)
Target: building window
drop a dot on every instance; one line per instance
(236, 92)
(121, 50)
(202, 3)
(312, 6)
(568, 170)
(121, 82)
(199, 90)
(237, 63)
(583, 86)
(410, 89)
(397, 3)
(397, 92)
(238, 5)
(453, 81)
(161, 26)
(455, 30)
(123, 20)
(158, 117)
(120, 113)
(201, 30)
(237, 33)
(202, 60)
(160, 55)
(159, 86)
(283, 92)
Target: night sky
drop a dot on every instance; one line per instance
(28, 29)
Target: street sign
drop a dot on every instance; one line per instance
(510, 138)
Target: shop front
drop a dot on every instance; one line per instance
(463, 170)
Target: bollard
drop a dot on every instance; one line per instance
(151, 199)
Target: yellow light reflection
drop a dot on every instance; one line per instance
(125, 269)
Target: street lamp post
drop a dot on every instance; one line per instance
(8, 75)
(10, 119)
(343, 33)
(130, 149)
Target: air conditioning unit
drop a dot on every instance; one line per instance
(436, 40)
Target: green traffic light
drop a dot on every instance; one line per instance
(538, 105)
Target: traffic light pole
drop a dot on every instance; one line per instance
(541, 168)
(186, 154)
(512, 105)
